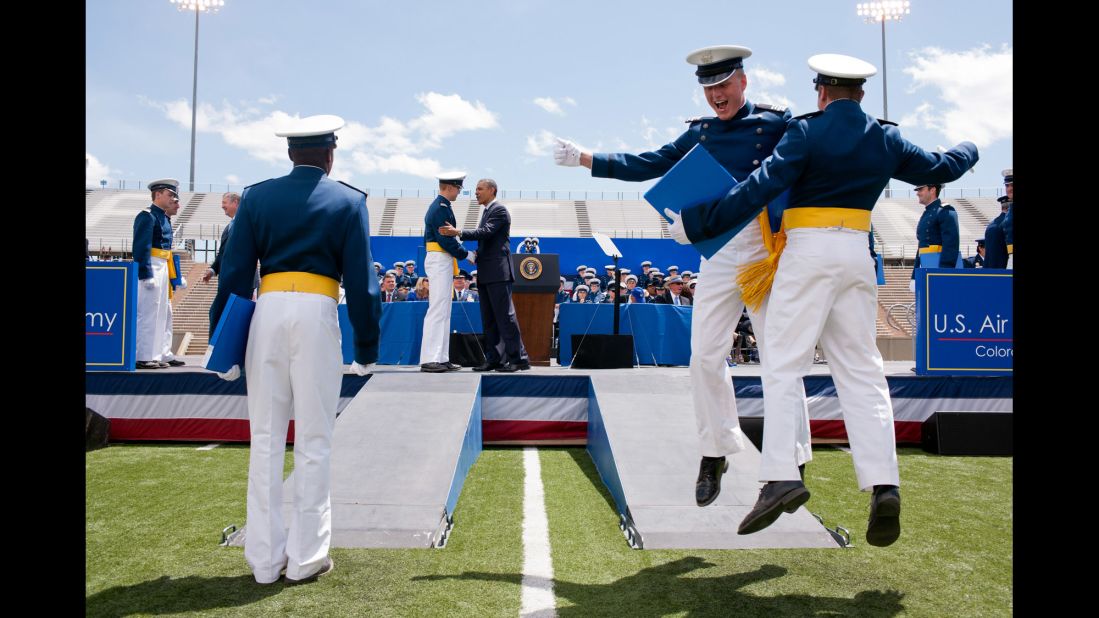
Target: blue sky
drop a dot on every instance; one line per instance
(484, 85)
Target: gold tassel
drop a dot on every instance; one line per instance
(755, 279)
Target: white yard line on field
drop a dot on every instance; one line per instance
(537, 595)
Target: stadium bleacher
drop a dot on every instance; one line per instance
(109, 217)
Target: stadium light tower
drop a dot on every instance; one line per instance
(882, 12)
(198, 6)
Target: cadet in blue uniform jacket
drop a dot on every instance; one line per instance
(308, 231)
(740, 137)
(1009, 219)
(937, 230)
(440, 266)
(152, 254)
(835, 163)
(995, 245)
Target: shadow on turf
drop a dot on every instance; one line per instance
(662, 590)
(584, 462)
(165, 595)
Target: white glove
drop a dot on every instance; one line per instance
(150, 283)
(472, 257)
(232, 374)
(1010, 258)
(362, 370)
(912, 285)
(566, 153)
(183, 282)
(676, 227)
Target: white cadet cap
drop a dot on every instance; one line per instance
(165, 183)
(582, 287)
(1009, 176)
(312, 132)
(840, 70)
(452, 178)
(718, 62)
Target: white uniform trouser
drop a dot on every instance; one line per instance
(152, 313)
(825, 290)
(435, 345)
(294, 368)
(717, 310)
(167, 353)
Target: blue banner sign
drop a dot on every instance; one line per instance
(964, 322)
(110, 316)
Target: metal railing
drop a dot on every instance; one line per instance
(537, 194)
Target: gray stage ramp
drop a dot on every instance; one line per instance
(651, 428)
(395, 449)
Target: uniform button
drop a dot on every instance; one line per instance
(755, 161)
(705, 125)
(703, 138)
(759, 146)
(759, 130)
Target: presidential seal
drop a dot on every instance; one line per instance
(530, 268)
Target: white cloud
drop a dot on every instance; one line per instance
(269, 100)
(95, 170)
(766, 86)
(232, 179)
(449, 114)
(765, 78)
(392, 146)
(540, 144)
(552, 106)
(656, 137)
(549, 105)
(973, 89)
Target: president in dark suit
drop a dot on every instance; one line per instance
(494, 281)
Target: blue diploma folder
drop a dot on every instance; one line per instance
(697, 178)
(230, 338)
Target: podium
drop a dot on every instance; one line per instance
(537, 278)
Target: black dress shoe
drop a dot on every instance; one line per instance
(451, 366)
(708, 485)
(487, 367)
(774, 498)
(325, 569)
(148, 365)
(885, 516)
(433, 368)
(513, 367)
(162, 364)
(176, 363)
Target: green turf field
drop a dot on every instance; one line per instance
(154, 516)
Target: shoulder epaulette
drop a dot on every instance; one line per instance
(808, 116)
(355, 188)
(694, 119)
(951, 207)
(886, 122)
(771, 108)
(255, 184)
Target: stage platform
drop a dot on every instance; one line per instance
(404, 440)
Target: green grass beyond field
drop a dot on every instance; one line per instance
(154, 516)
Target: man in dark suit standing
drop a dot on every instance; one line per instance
(229, 203)
(494, 281)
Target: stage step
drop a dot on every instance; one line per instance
(397, 449)
(653, 442)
